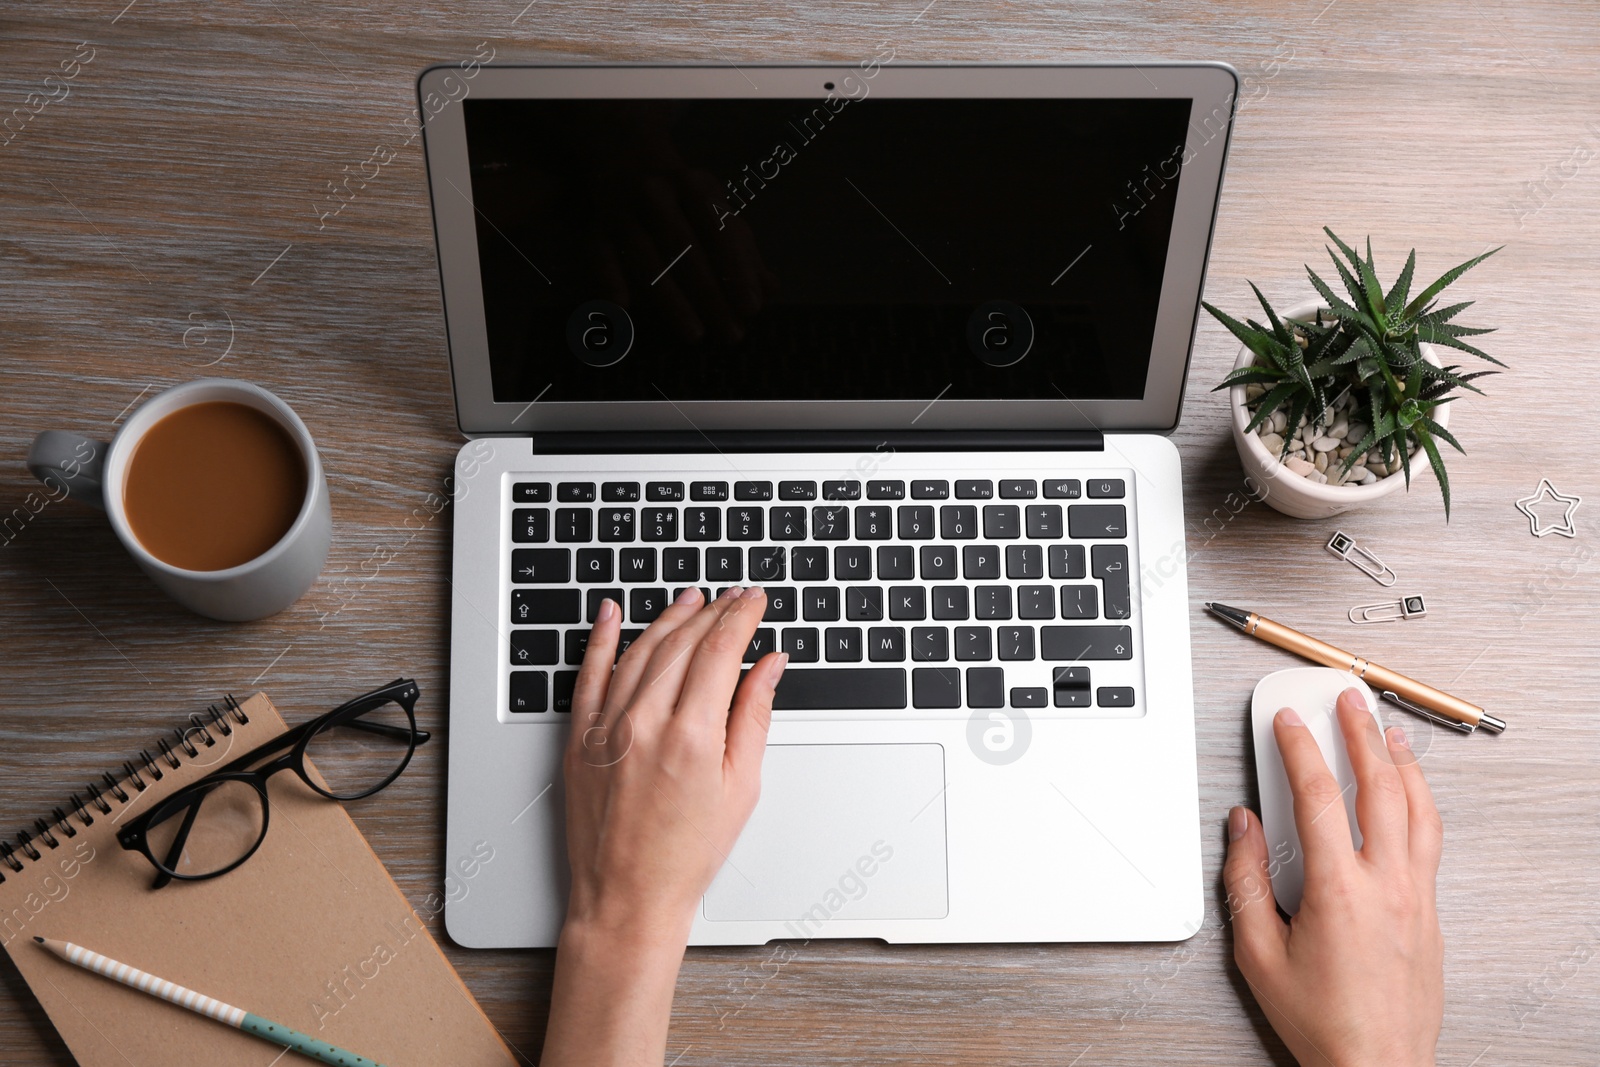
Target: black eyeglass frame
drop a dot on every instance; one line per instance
(135, 836)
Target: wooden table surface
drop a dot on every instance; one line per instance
(163, 220)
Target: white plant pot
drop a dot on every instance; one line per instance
(1291, 493)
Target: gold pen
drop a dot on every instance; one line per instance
(1425, 700)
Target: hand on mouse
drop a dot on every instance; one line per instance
(1356, 978)
(662, 771)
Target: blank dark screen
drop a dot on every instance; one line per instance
(814, 250)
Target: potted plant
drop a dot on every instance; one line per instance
(1333, 401)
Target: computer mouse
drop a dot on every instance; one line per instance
(1314, 693)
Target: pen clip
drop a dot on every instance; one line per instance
(1431, 716)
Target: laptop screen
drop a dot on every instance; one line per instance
(790, 249)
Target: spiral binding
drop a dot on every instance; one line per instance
(50, 832)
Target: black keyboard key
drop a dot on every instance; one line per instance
(887, 490)
(1068, 561)
(625, 640)
(830, 523)
(980, 561)
(702, 524)
(820, 603)
(746, 524)
(595, 564)
(575, 492)
(973, 643)
(842, 644)
(530, 493)
(874, 523)
(616, 524)
(752, 490)
(646, 605)
(766, 564)
(541, 566)
(595, 596)
(896, 563)
(1079, 643)
(1114, 696)
(950, 602)
(863, 603)
(663, 492)
(619, 492)
(764, 640)
(938, 562)
(782, 605)
(1080, 602)
(788, 524)
(528, 690)
(530, 525)
(842, 491)
(574, 525)
(636, 565)
(908, 602)
(1107, 489)
(852, 563)
(958, 522)
(724, 565)
(1062, 489)
(705, 593)
(981, 489)
(986, 687)
(797, 490)
(1028, 697)
(841, 689)
(801, 642)
(939, 490)
(566, 682)
(1015, 642)
(808, 564)
(1071, 685)
(991, 602)
(886, 644)
(1003, 522)
(936, 687)
(1024, 561)
(577, 645)
(1036, 602)
(708, 490)
(1021, 489)
(534, 646)
(658, 524)
(916, 523)
(930, 644)
(1097, 521)
(545, 605)
(1044, 521)
(1111, 566)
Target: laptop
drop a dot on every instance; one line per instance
(900, 343)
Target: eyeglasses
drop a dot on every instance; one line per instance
(211, 826)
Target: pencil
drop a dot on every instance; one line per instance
(204, 1005)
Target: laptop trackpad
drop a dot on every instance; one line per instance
(841, 832)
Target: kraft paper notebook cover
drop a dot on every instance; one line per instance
(311, 932)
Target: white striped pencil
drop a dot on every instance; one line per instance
(237, 1018)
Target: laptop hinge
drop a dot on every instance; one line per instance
(611, 443)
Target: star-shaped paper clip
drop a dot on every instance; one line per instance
(1548, 492)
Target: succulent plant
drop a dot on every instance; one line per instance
(1367, 341)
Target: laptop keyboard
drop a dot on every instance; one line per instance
(893, 597)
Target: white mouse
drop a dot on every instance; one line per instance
(1314, 693)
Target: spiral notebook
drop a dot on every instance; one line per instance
(311, 932)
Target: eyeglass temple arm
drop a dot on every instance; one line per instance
(178, 841)
(399, 733)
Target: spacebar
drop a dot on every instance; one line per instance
(840, 689)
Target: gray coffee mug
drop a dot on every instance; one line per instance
(96, 471)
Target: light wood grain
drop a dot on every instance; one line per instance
(197, 146)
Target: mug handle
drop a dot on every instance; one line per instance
(75, 461)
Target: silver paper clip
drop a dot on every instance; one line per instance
(1431, 716)
(1407, 607)
(1344, 546)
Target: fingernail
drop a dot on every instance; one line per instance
(1238, 823)
(731, 592)
(687, 595)
(1398, 738)
(752, 592)
(608, 608)
(1290, 717)
(783, 662)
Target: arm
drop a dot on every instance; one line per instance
(1356, 979)
(662, 772)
